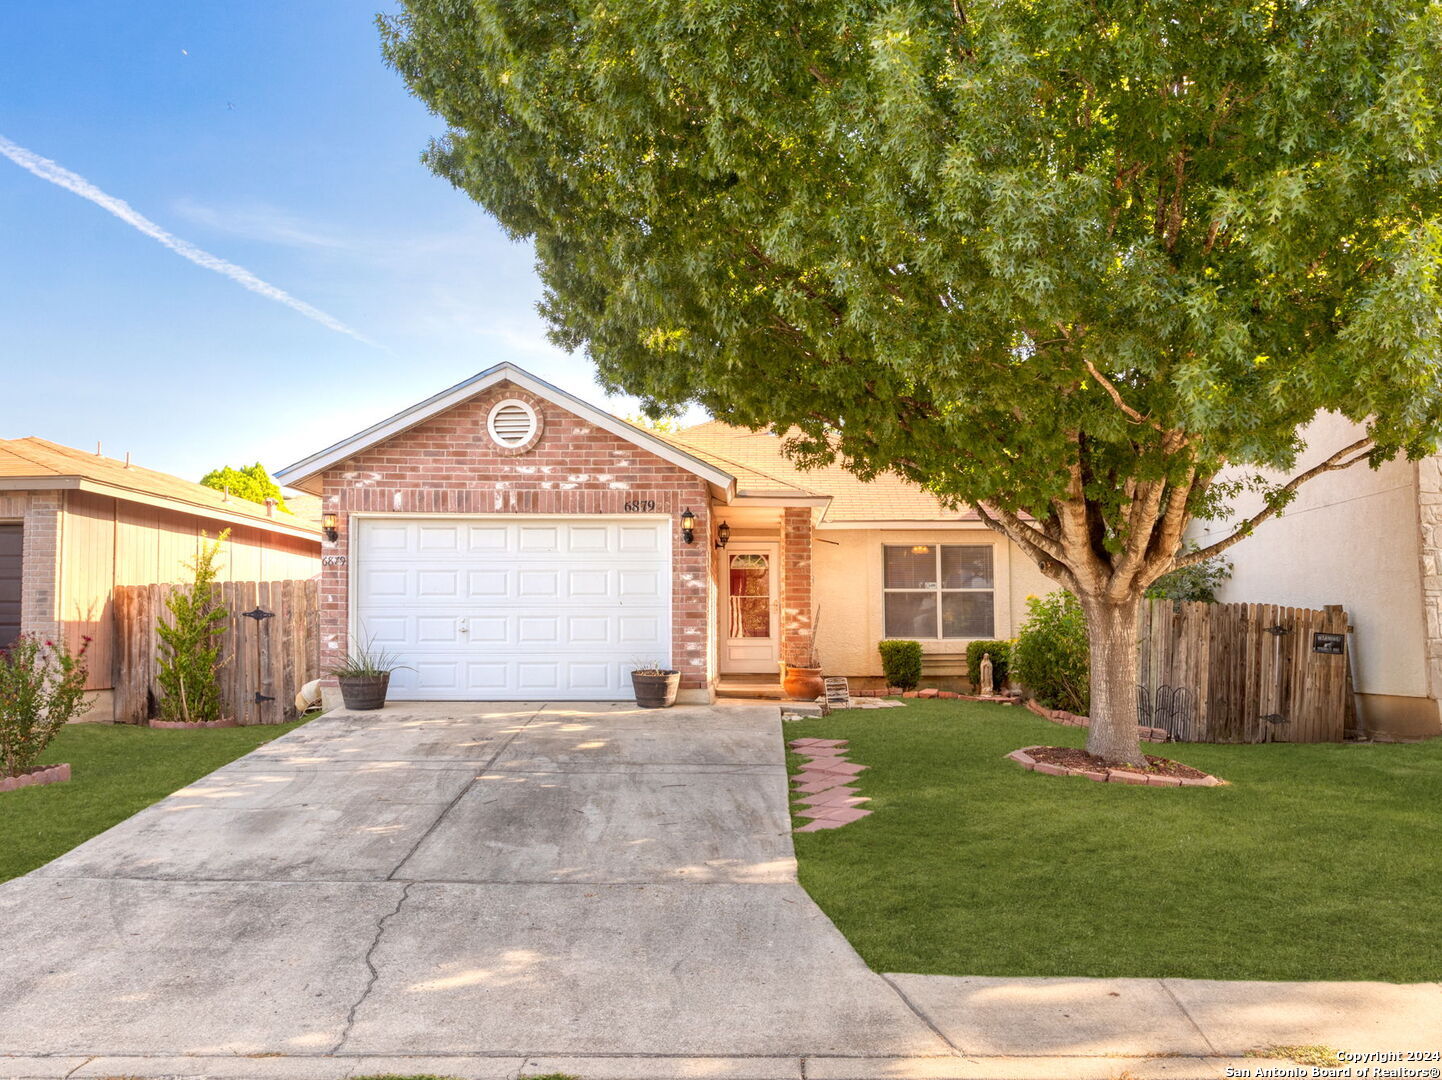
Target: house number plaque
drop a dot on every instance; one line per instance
(332, 560)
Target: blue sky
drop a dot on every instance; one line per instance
(268, 134)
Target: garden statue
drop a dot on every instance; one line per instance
(984, 686)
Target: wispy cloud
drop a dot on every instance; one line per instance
(258, 221)
(78, 185)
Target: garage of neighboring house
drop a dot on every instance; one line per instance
(507, 541)
(11, 573)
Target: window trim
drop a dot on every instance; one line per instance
(939, 591)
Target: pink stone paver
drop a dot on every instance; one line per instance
(834, 798)
(819, 824)
(846, 768)
(813, 787)
(843, 814)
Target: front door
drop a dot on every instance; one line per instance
(750, 623)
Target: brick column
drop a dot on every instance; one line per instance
(796, 593)
(40, 567)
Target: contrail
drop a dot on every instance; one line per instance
(63, 177)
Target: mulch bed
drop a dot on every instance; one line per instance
(1070, 757)
(1069, 761)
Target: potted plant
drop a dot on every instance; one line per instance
(803, 682)
(42, 688)
(364, 676)
(655, 686)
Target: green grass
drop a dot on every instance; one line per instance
(1317, 862)
(116, 770)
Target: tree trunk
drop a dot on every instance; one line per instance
(1112, 630)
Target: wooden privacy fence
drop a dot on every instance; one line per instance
(268, 648)
(1238, 673)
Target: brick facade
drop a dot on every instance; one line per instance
(40, 513)
(450, 465)
(796, 594)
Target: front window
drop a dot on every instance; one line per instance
(939, 590)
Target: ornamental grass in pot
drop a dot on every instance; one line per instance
(803, 682)
(655, 686)
(365, 676)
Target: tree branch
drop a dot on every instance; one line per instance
(1030, 540)
(1360, 450)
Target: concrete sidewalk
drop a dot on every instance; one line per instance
(518, 890)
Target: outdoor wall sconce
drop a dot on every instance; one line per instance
(723, 535)
(328, 523)
(688, 526)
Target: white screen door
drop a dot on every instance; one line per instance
(750, 616)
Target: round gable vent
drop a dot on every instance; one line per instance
(511, 423)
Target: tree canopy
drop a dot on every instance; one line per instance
(250, 482)
(1066, 260)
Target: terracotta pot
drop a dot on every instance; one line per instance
(656, 691)
(364, 692)
(803, 683)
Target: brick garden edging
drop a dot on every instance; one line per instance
(1110, 776)
(36, 777)
(953, 695)
(829, 800)
(176, 724)
(1061, 716)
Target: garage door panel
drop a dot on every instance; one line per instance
(492, 609)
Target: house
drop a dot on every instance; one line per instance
(1370, 540)
(510, 541)
(74, 525)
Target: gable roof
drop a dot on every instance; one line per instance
(35, 464)
(305, 474)
(886, 498)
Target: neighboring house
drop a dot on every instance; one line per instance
(1370, 540)
(74, 525)
(510, 541)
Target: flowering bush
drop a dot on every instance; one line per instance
(42, 688)
(1050, 657)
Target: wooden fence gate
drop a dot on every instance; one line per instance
(1235, 673)
(268, 648)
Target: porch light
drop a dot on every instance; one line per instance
(688, 526)
(328, 525)
(723, 535)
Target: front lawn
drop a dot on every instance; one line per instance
(1317, 862)
(116, 771)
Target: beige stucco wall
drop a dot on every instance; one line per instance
(848, 589)
(1349, 538)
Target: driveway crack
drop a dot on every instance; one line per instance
(485, 768)
(371, 967)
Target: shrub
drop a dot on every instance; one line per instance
(1050, 656)
(1000, 661)
(42, 688)
(901, 660)
(190, 643)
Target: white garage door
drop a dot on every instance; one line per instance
(513, 608)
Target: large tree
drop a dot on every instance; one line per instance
(1064, 260)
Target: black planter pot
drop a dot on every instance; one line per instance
(364, 692)
(656, 691)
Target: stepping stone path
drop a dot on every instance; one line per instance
(825, 780)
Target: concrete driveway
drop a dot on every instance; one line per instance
(524, 882)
